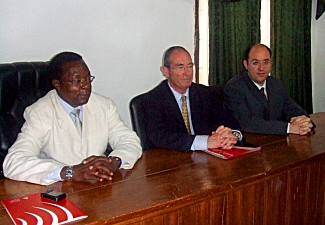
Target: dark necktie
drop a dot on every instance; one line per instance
(265, 110)
(185, 114)
(77, 121)
(263, 93)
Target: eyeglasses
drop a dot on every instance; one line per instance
(87, 80)
(182, 67)
(265, 62)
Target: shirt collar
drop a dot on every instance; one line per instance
(260, 86)
(176, 94)
(256, 84)
(68, 108)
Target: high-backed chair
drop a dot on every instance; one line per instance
(137, 118)
(21, 84)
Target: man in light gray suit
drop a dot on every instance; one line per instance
(52, 148)
(259, 102)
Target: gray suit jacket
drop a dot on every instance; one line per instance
(254, 113)
(49, 139)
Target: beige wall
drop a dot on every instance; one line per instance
(122, 41)
(318, 60)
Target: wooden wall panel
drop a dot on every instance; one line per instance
(218, 209)
(291, 197)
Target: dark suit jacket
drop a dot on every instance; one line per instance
(254, 113)
(163, 119)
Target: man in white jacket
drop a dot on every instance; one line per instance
(50, 148)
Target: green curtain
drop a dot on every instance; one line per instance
(291, 46)
(233, 27)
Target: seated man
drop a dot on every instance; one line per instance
(259, 102)
(182, 115)
(67, 131)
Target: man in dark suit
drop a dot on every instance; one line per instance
(208, 125)
(259, 102)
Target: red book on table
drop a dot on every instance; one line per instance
(233, 152)
(32, 209)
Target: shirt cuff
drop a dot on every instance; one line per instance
(55, 175)
(123, 163)
(200, 142)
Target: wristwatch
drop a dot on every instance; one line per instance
(117, 159)
(237, 134)
(69, 173)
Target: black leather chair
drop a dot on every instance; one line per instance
(21, 84)
(137, 118)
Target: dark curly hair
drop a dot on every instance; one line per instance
(57, 61)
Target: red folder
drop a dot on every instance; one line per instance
(32, 209)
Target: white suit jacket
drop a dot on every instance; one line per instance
(49, 138)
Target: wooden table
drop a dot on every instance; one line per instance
(282, 184)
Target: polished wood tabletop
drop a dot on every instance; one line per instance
(174, 187)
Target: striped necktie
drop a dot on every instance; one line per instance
(185, 114)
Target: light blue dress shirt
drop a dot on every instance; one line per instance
(200, 141)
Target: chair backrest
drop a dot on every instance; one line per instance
(137, 118)
(21, 84)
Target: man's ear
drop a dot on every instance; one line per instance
(165, 71)
(245, 63)
(56, 83)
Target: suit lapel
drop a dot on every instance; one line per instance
(194, 105)
(168, 96)
(90, 112)
(272, 93)
(64, 120)
(255, 92)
